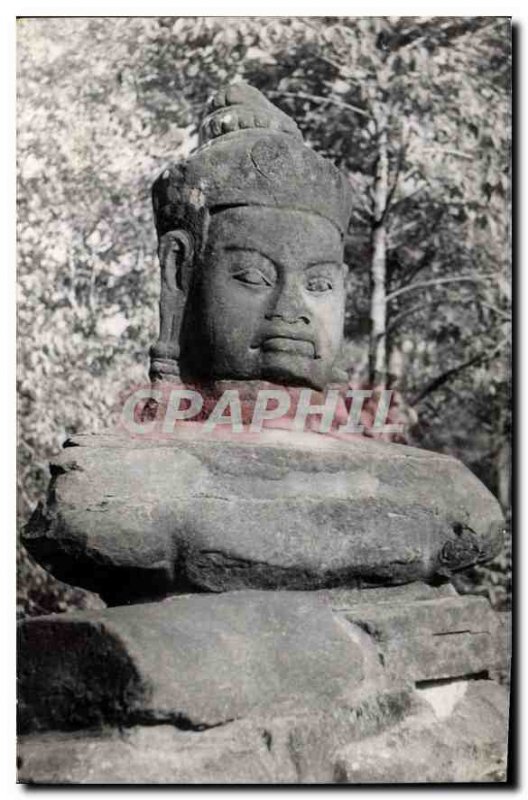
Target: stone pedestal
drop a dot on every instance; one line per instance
(137, 519)
(301, 627)
(374, 685)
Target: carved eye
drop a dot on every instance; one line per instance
(319, 284)
(253, 277)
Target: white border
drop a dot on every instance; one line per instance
(8, 12)
(271, 8)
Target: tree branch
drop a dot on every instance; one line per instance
(450, 152)
(439, 381)
(342, 70)
(425, 261)
(317, 99)
(498, 311)
(360, 195)
(406, 313)
(445, 32)
(437, 282)
(411, 194)
(420, 306)
(363, 218)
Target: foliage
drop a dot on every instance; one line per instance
(38, 592)
(416, 107)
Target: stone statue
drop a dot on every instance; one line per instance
(250, 234)
(291, 591)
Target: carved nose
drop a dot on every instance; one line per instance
(290, 319)
(289, 308)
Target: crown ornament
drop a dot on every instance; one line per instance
(250, 153)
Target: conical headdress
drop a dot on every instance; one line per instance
(250, 154)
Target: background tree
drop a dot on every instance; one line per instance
(414, 110)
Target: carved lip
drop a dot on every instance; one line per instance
(288, 344)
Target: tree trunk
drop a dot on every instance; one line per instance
(395, 368)
(378, 267)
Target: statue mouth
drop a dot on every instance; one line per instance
(288, 344)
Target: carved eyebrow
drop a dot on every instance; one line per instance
(323, 263)
(242, 249)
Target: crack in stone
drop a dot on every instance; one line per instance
(179, 720)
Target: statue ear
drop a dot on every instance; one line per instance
(176, 255)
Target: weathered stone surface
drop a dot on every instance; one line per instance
(236, 754)
(266, 687)
(268, 749)
(463, 741)
(201, 660)
(196, 661)
(467, 744)
(436, 638)
(133, 519)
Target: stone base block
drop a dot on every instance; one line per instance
(460, 736)
(267, 687)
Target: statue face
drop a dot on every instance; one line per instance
(267, 301)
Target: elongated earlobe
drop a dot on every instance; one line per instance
(176, 255)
